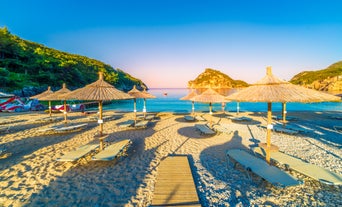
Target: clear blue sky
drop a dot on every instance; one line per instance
(166, 43)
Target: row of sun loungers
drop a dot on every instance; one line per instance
(261, 168)
(130, 123)
(110, 153)
(313, 171)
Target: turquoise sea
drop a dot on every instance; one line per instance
(171, 103)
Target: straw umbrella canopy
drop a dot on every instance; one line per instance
(135, 93)
(99, 91)
(43, 95)
(209, 96)
(272, 89)
(189, 96)
(59, 96)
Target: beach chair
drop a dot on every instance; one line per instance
(49, 119)
(200, 118)
(241, 118)
(141, 124)
(175, 185)
(288, 118)
(271, 174)
(221, 129)
(204, 129)
(4, 129)
(105, 118)
(125, 124)
(70, 128)
(113, 151)
(313, 171)
(281, 129)
(78, 153)
(189, 118)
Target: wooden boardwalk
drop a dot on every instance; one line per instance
(175, 185)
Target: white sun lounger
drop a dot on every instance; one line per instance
(113, 151)
(204, 129)
(4, 129)
(241, 118)
(70, 128)
(141, 124)
(49, 119)
(313, 171)
(125, 124)
(189, 118)
(221, 129)
(105, 118)
(273, 175)
(79, 153)
(200, 118)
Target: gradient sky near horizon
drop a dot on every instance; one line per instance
(167, 43)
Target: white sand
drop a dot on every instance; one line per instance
(32, 177)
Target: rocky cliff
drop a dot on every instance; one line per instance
(329, 79)
(215, 79)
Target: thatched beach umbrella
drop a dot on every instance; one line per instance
(209, 96)
(135, 93)
(99, 91)
(189, 97)
(43, 95)
(272, 89)
(59, 96)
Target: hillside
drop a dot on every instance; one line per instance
(28, 65)
(215, 79)
(329, 79)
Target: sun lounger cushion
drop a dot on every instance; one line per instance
(189, 118)
(305, 168)
(222, 129)
(78, 153)
(111, 152)
(258, 166)
(200, 118)
(70, 128)
(141, 124)
(241, 118)
(204, 129)
(125, 124)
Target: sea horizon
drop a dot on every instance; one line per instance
(168, 100)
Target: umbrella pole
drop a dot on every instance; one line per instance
(211, 115)
(50, 110)
(144, 109)
(100, 121)
(237, 108)
(269, 127)
(284, 113)
(193, 108)
(135, 111)
(65, 112)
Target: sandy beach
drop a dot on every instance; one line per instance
(31, 176)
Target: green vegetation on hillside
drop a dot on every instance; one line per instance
(308, 77)
(24, 64)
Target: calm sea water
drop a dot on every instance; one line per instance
(171, 103)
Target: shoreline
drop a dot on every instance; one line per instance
(32, 177)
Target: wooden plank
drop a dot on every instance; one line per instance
(175, 184)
